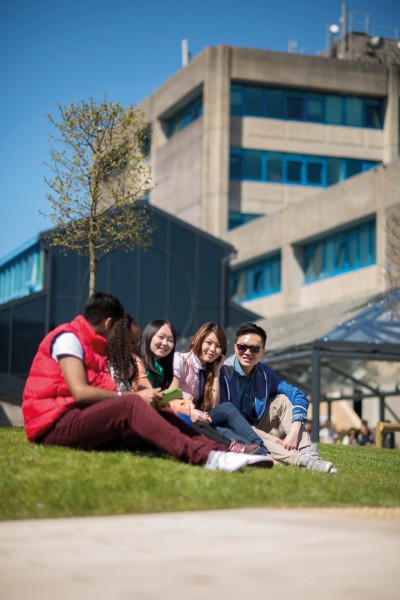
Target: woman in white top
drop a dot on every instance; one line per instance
(197, 373)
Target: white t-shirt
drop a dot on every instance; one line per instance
(67, 344)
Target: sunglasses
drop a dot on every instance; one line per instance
(242, 348)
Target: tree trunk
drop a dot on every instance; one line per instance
(92, 268)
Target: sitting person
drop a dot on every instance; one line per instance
(155, 369)
(267, 401)
(196, 372)
(70, 399)
(327, 433)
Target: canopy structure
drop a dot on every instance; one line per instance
(356, 360)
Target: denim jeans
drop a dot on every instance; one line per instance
(228, 421)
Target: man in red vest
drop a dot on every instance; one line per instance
(70, 398)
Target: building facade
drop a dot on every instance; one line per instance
(182, 277)
(292, 159)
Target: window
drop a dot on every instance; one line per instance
(315, 108)
(261, 278)
(236, 100)
(237, 218)
(350, 249)
(334, 110)
(185, 117)
(296, 169)
(274, 166)
(354, 112)
(275, 104)
(255, 101)
(22, 276)
(314, 172)
(253, 164)
(295, 107)
(303, 105)
(293, 171)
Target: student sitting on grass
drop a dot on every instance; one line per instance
(267, 401)
(197, 373)
(70, 398)
(155, 367)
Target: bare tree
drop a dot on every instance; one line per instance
(99, 170)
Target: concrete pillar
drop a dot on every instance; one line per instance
(391, 148)
(216, 125)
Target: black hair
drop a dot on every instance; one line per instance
(118, 351)
(101, 306)
(252, 328)
(167, 362)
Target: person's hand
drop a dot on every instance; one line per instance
(217, 364)
(199, 417)
(152, 396)
(291, 441)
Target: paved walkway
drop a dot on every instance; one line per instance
(235, 554)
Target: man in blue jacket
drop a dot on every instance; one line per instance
(267, 401)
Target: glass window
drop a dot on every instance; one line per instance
(275, 104)
(236, 161)
(295, 107)
(253, 164)
(274, 166)
(293, 171)
(334, 110)
(338, 253)
(354, 111)
(314, 172)
(334, 170)
(353, 167)
(315, 108)
(237, 100)
(373, 114)
(255, 101)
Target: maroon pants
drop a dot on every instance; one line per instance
(125, 422)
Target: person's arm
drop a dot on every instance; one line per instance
(142, 380)
(215, 384)
(74, 374)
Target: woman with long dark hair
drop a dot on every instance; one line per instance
(196, 372)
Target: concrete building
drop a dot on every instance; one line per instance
(292, 159)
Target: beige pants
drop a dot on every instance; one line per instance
(279, 412)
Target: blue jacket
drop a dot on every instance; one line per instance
(267, 384)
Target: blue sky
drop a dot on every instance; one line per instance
(68, 50)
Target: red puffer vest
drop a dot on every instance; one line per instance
(46, 396)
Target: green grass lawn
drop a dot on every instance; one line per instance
(39, 482)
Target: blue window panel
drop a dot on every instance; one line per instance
(334, 170)
(277, 167)
(236, 164)
(315, 172)
(373, 114)
(354, 111)
(315, 108)
(185, 117)
(300, 105)
(274, 166)
(259, 279)
(255, 101)
(275, 104)
(293, 170)
(253, 165)
(295, 107)
(236, 219)
(334, 110)
(237, 102)
(351, 249)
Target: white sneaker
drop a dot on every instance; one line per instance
(232, 461)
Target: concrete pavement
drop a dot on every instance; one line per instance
(232, 554)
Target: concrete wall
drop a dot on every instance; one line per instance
(370, 193)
